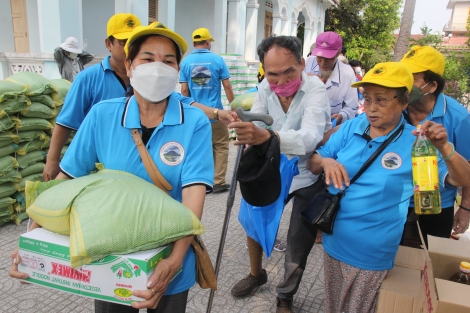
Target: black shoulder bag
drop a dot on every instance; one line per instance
(324, 206)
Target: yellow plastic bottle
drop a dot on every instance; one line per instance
(425, 176)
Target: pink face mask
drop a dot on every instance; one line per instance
(287, 89)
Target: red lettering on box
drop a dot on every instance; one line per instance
(68, 272)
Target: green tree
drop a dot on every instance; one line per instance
(428, 39)
(366, 27)
(456, 75)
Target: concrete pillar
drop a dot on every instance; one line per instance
(307, 40)
(49, 25)
(219, 31)
(236, 26)
(277, 24)
(251, 30)
(293, 28)
(285, 25)
(166, 13)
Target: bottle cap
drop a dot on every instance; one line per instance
(465, 267)
(418, 127)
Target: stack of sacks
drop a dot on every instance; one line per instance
(29, 104)
(58, 97)
(12, 101)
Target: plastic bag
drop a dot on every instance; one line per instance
(262, 223)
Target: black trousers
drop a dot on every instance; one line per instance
(437, 225)
(168, 304)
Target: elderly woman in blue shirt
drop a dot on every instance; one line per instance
(370, 220)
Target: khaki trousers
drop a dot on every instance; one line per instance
(220, 151)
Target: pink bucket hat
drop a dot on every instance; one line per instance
(328, 44)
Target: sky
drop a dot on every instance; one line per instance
(431, 12)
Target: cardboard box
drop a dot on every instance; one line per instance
(438, 294)
(400, 290)
(45, 257)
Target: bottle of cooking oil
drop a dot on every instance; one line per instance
(463, 275)
(425, 176)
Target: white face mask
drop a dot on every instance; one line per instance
(154, 81)
(73, 56)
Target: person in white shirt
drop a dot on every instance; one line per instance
(336, 76)
(300, 109)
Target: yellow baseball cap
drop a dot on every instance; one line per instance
(121, 25)
(424, 58)
(202, 34)
(389, 74)
(156, 28)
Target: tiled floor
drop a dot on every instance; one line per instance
(235, 265)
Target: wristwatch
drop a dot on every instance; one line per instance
(216, 114)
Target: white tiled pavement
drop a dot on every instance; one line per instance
(16, 298)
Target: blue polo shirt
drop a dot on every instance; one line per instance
(92, 85)
(180, 147)
(456, 120)
(369, 224)
(203, 70)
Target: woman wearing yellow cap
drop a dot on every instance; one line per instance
(178, 140)
(369, 223)
(427, 102)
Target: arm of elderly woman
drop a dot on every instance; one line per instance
(458, 167)
(193, 198)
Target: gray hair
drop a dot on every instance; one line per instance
(291, 43)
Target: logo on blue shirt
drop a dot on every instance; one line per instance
(391, 161)
(201, 75)
(172, 153)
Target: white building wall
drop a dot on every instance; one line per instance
(460, 13)
(33, 29)
(194, 15)
(7, 43)
(95, 18)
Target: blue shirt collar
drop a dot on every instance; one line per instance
(174, 114)
(363, 127)
(105, 65)
(201, 51)
(440, 107)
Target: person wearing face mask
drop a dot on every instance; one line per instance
(301, 112)
(70, 58)
(200, 77)
(336, 76)
(153, 54)
(427, 102)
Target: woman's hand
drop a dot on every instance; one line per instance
(438, 136)
(14, 267)
(227, 117)
(157, 284)
(335, 173)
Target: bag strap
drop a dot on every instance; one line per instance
(376, 154)
(152, 169)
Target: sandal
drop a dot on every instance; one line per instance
(318, 240)
(279, 246)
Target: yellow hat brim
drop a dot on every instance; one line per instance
(158, 31)
(413, 68)
(381, 82)
(122, 36)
